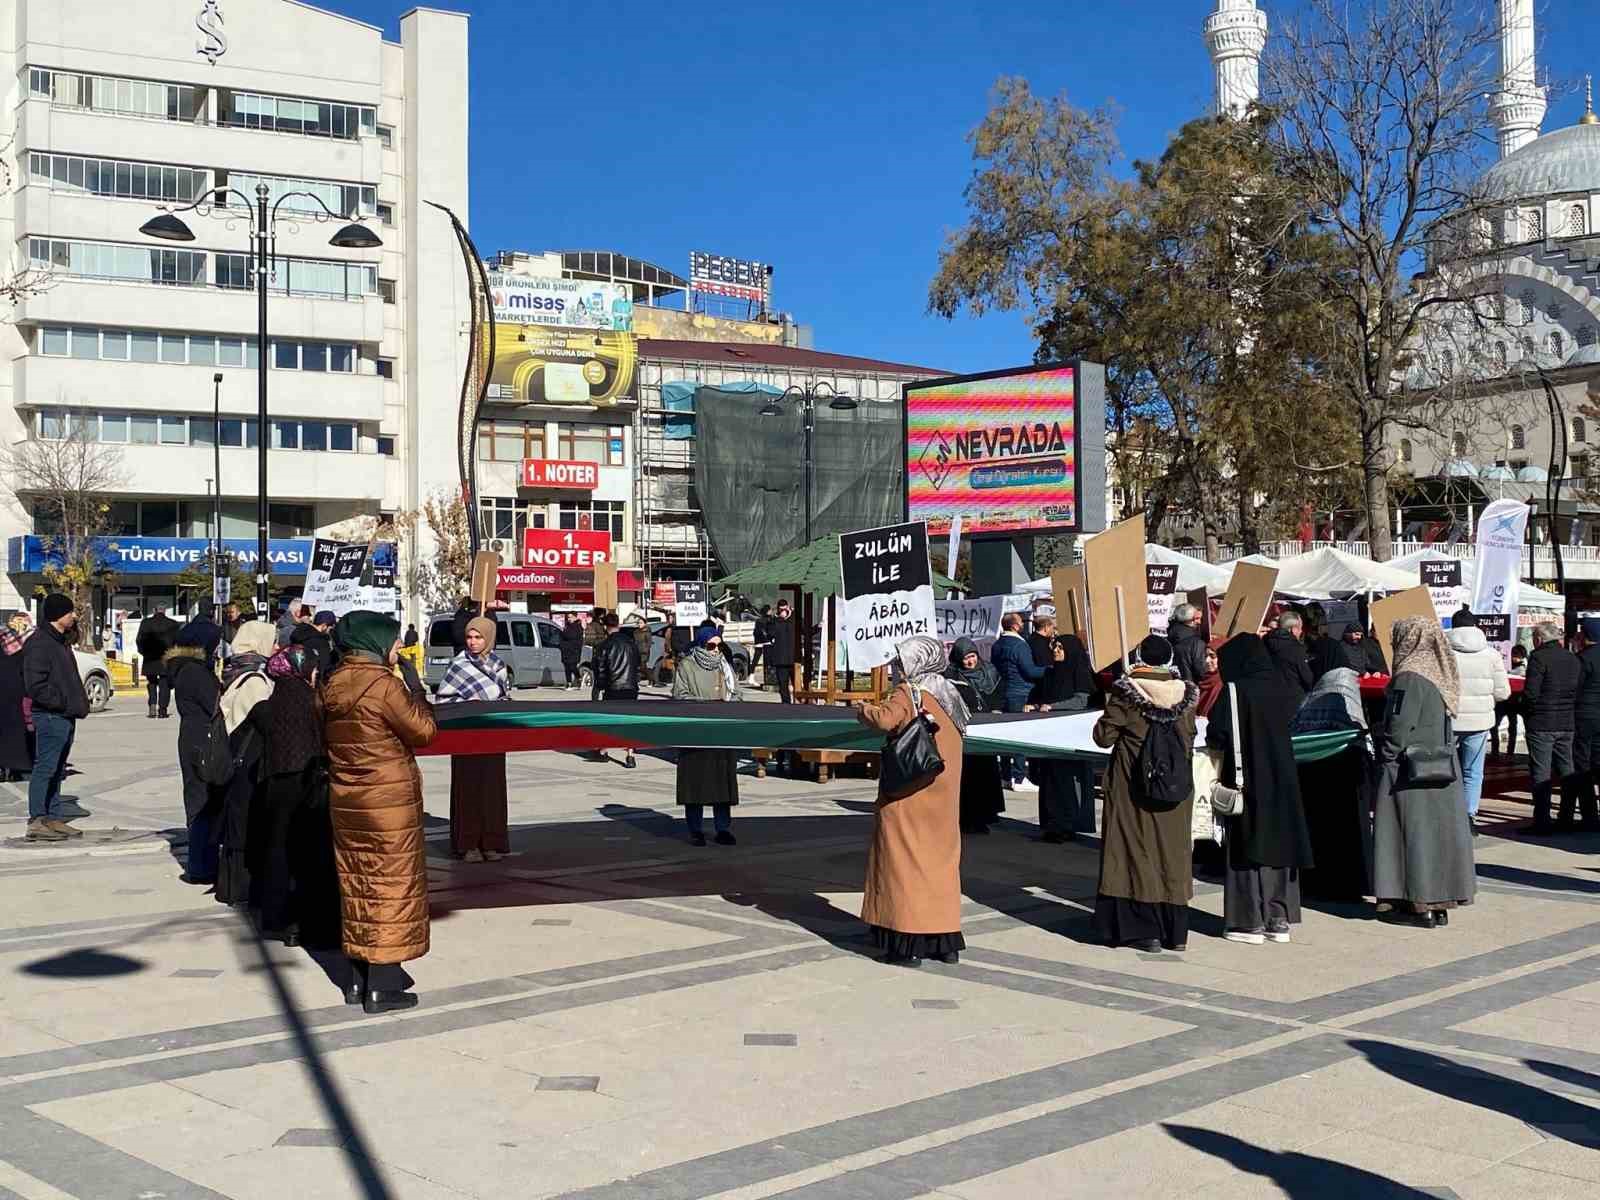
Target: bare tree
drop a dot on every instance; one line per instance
(64, 486)
(444, 575)
(28, 280)
(1379, 111)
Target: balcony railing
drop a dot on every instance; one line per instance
(1541, 550)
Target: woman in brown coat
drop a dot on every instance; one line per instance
(1146, 855)
(374, 721)
(913, 892)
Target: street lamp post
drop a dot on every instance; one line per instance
(807, 398)
(264, 238)
(216, 453)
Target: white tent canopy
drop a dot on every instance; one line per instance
(1326, 572)
(1528, 596)
(1192, 572)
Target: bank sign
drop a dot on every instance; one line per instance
(29, 554)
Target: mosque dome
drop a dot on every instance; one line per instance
(1559, 163)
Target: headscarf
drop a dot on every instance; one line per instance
(485, 628)
(983, 679)
(918, 661)
(1334, 703)
(1153, 655)
(1243, 656)
(370, 633)
(1419, 647)
(709, 659)
(291, 662)
(9, 641)
(245, 683)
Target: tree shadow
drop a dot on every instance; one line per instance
(1547, 1111)
(1302, 1176)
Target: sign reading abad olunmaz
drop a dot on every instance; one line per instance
(888, 591)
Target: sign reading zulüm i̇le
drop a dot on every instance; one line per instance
(888, 591)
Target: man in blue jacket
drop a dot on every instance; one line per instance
(1012, 659)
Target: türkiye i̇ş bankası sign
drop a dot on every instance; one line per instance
(999, 450)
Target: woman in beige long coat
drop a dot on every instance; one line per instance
(374, 722)
(913, 892)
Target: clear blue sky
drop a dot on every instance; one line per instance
(826, 138)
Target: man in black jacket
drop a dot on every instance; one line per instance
(1288, 655)
(1188, 647)
(202, 625)
(780, 650)
(318, 641)
(1586, 725)
(50, 679)
(616, 668)
(1549, 700)
(157, 633)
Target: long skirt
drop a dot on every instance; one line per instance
(1252, 896)
(1338, 801)
(478, 819)
(708, 777)
(1066, 796)
(295, 881)
(1120, 921)
(242, 811)
(983, 798)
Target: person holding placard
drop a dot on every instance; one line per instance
(983, 797)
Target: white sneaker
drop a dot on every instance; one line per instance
(1248, 936)
(1027, 785)
(1278, 932)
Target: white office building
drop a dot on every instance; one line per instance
(119, 337)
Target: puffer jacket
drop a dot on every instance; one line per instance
(1483, 679)
(375, 799)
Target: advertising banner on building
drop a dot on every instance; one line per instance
(739, 278)
(1501, 528)
(690, 608)
(28, 554)
(1443, 581)
(565, 547)
(559, 473)
(573, 303)
(561, 580)
(543, 364)
(999, 450)
(888, 591)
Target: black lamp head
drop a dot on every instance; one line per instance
(355, 237)
(168, 228)
(843, 403)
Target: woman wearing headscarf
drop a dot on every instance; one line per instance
(1209, 685)
(196, 692)
(374, 722)
(1266, 844)
(983, 796)
(479, 825)
(1066, 786)
(707, 776)
(1422, 837)
(913, 889)
(1146, 868)
(245, 684)
(16, 759)
(293, 865)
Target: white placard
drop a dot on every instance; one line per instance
(888, 591)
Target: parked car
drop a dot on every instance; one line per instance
(96, 678)
(529, 645)
(656, 670)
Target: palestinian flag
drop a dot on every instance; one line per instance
(509, 726)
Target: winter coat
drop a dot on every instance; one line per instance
(1290, 661)
(1012, 658)
(1586, 712)
(195, 692)
(1483, 679)
(156, 636)
(1065, 679)
(375, 798)
(615, 664)
(571, 644)
(50, 675)
(318, 645)
(780, 633)
(14, 753)
(1364, 657)
(1144, 855)
(291, 719)
(914, 864)
(1550, 694)
(1188, 651)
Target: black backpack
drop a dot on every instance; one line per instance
(1164, 777)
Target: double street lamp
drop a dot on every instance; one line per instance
(169, 227)
(807, 397)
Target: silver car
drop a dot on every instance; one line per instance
(529, 645)
(96, 678)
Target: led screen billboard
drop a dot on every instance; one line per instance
(1002, 450)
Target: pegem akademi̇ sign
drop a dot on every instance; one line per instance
(560, 473)
(565, 547)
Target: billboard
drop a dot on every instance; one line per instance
(740, 278)
(571, 303)
(565, 547)
(543, 364)
(560, 473)
(1002, 450)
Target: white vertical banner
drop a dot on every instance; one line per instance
(954, 550)
(1501, 528)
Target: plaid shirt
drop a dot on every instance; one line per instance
(469, 678)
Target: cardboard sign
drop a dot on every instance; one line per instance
(1113, 562)
(605, 586)
(1245, 606)
(888, 591)
(1443, 581)
(1413, 602)
(1071, 594)
(689, 608)
(976, 619)
(485, 574)
(1161, 591)
(1201, 601)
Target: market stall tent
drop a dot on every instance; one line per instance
(1325, 573)
(1528, 596)
(1192, 572)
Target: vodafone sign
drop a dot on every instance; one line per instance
(565, 547)
(558, 473)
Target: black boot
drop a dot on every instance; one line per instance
(381, 1002)
(152, 712)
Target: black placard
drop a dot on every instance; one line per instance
(1161, 579)
(893, 558)
(1496, 627)
(1441, 574)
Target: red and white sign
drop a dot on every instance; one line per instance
(666, 593)
(565, 547)
(561, 583)
(559, 473)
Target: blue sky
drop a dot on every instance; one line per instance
(826, 138)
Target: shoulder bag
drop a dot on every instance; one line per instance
(1229, 801)
(910, 759)
(1430, 765)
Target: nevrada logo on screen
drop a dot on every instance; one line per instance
(979, 444)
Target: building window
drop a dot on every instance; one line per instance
(602, 515)
(1580, 430)
(1519, 438)
(386, 445)
(386, 290)
(386, 213)
(291, 520)
(136, 264)
(346, 199)
(1447, 363)
(285, 114)
(129, 97)
(1458, 445)
(1577, 222)
(1533, 224)
(510, 441)
(194, 349)
(586, 443)
(386, 134)
(502, 518)
(1500, 358)
(386, 368)
(111, 177)
(1556, 345)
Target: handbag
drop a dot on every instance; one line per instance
(213, 757)
(1428, 766)
(910, 759)
(1229, 801)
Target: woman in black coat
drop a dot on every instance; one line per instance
(1268, 843)
(571, 650)
(983, 796)
(196, 691)
(16, 756)
(1066, 786)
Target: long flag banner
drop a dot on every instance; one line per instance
(509, 726)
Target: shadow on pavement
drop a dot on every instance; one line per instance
(1302, 1176)
(85, 964)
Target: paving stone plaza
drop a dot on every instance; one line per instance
(611, 1014)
